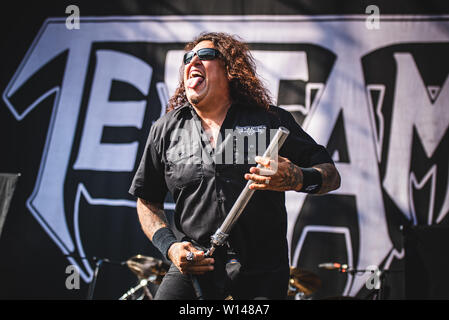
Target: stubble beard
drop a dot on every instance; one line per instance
(194, 100)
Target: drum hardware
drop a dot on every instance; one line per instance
(148, 270)
(141, 286)
(302, 283)
(98, 264)
(378, 283)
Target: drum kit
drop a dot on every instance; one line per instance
(302, 284)
(151, 271)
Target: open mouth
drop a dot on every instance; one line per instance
(195, 79)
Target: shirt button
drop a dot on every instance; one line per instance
(220, 201)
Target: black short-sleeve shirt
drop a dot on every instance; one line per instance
(205, 182)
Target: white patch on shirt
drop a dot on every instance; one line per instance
(250, 130)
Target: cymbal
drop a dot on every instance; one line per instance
(304, 281)
(145, 267)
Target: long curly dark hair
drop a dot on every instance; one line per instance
(244, 85)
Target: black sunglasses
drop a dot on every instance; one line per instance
(203, 54)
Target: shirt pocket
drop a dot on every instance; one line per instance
(234, 174)
(183, 167)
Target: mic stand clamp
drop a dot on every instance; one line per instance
(98, 264)
(381, 274)
(217, 240)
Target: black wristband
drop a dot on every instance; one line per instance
(311, 180)
(163, 239)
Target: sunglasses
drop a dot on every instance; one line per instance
(203, 54)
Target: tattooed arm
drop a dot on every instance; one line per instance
(152, 218)
(331, 177)
(284, 175)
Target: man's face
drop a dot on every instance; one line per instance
(205, 81)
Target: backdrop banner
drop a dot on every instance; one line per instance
(79, 94)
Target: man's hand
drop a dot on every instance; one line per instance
(199, 265)
(281, 175)
(284, 175)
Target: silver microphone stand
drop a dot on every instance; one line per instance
(219, 237)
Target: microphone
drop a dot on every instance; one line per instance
(332, 266)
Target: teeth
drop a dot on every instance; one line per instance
(195, 74)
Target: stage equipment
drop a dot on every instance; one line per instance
(377, 280)
(98, 264)
(302, 282)
(149, 271)
(148, 268)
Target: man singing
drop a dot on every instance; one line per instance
(218, 93)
